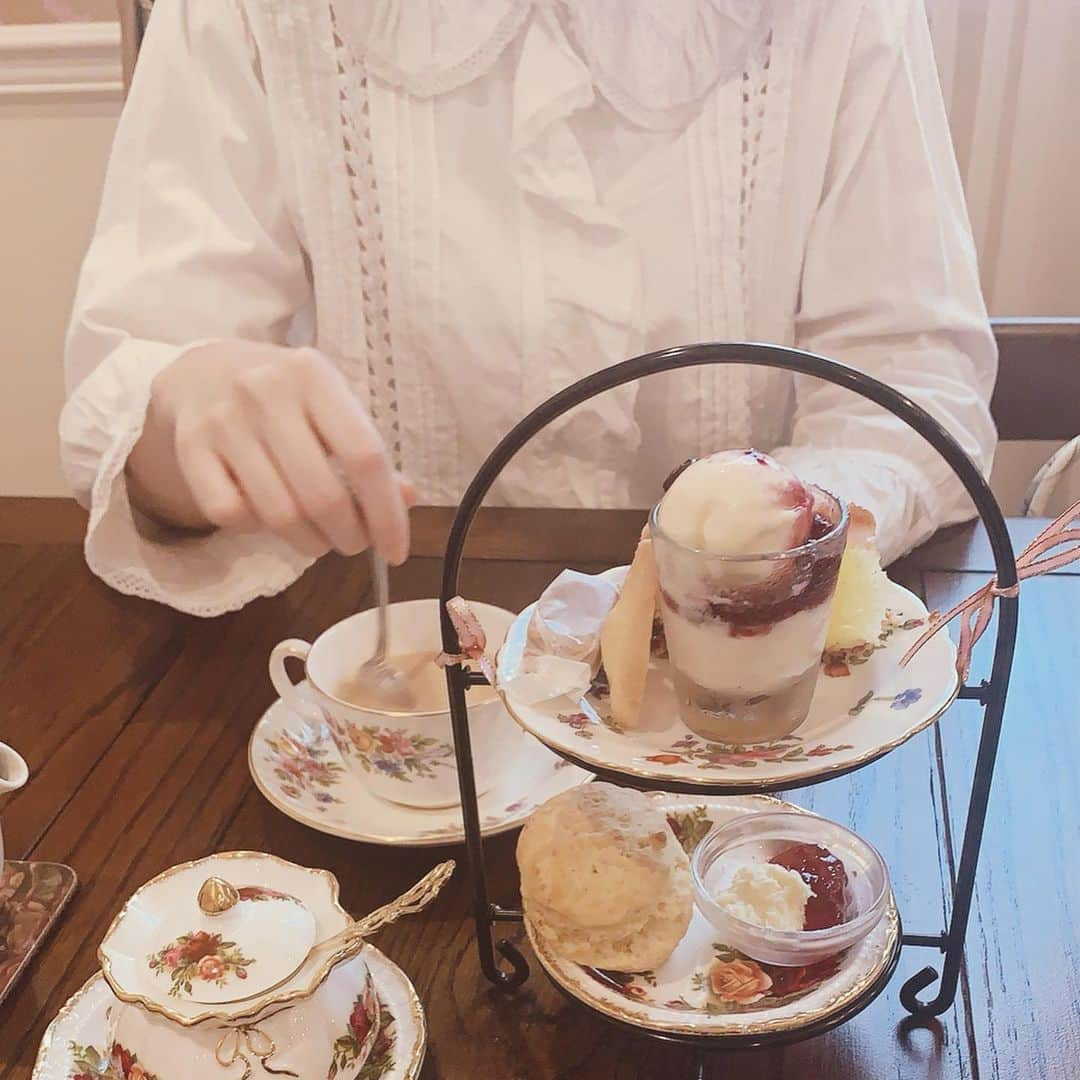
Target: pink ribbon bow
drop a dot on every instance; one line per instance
(471, 639)
(978, 608)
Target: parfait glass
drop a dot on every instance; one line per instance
(745, 632)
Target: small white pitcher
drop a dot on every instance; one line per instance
(13, 774)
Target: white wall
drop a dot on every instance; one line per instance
(59, 98)
(1010, 87)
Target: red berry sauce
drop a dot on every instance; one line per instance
(755, 609)
(825, 874)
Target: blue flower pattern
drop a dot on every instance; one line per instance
(906, 698)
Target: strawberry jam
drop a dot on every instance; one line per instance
(825, 874)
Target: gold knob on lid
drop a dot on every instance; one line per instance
(217, 896)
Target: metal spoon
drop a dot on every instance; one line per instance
(389, 684)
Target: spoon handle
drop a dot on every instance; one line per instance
(349, 940)
(381, 573)
(408, 903)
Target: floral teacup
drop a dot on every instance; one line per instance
(403, 757)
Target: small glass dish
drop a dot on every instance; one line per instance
(757, 838)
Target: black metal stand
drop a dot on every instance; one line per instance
(990, 694)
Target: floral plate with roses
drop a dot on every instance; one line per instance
(706, 987)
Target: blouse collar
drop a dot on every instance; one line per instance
(652, 60)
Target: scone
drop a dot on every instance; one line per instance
(862, 591)
(627, 637)
(604, 882)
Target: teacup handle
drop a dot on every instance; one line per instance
(13, 772)
(287, 690)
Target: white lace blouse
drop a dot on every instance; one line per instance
(471, 203)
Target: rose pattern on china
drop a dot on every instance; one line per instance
(199, 955)
(394, 752)
(632, 986)
(690, 826)
(88, 1063)
(740, 982)
(690, 750)
(734, 982)
(304, 767)
(579, 723)
(349, 1047)
(731, 983)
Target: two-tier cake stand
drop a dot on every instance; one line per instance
(991, 694)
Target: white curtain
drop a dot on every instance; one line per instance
(1010, 71)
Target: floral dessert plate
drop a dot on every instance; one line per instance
(299, 769)
(706, 987)
(865, 705)
(75, 1046)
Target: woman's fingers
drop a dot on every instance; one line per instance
(213, 489)
(348, 433)
(318, 489)
(267, 492)
(289, 448)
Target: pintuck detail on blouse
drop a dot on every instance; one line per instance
(382, 397)
(483, 201)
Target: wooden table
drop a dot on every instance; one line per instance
(135, 720)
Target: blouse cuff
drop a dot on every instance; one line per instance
(203, 574)
(896, 494)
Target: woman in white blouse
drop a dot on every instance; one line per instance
(343, 242)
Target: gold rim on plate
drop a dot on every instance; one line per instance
(717, 784)
(787, 1023)
(416, 1011)
(66, 1010)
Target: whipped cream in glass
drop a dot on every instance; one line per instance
(747, 557)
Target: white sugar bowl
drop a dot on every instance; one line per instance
(232, 965)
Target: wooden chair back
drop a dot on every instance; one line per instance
(1038, 388)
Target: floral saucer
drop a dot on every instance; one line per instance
(299, 770)
(708, 988)
(865, 705)
(74, 1046)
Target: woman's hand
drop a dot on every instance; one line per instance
(241, 435)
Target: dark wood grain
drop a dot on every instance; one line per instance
(76, 660)
(498, 533)
(136, 719)
(31, 521)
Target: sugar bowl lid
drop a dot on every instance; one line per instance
(223, 937)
